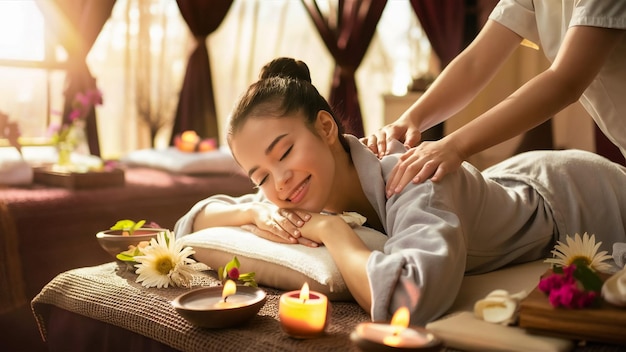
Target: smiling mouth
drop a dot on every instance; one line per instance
(298, 193)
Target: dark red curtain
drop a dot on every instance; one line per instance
(196, 106)
(347, 37)
(443, 22)
(76, 24)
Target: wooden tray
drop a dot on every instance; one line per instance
(79, 180)
(606, 323)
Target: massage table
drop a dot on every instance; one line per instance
(102, 308)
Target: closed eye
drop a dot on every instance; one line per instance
(286, 153)
(258, 185)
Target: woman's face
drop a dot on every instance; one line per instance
(291, 165)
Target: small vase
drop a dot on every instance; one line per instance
(64, 151)
(74, 141)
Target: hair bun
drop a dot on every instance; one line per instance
(286, 67)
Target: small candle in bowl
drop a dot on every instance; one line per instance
(303, 314)
(220, 307)
(395, 336)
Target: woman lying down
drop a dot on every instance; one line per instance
(287, 139)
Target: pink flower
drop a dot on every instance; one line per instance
(75, 114)
(233, 273)
(556, 281)
(550, 283)
(82, 99)
(152, 225)
(95, 96)
(565, 291)
(570, 296)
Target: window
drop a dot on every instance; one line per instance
(31, 69)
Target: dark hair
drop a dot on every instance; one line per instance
(284, 87)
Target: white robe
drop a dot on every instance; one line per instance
(473, 222)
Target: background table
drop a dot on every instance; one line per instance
(47, 230)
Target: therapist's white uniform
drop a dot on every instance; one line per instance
(544, 23)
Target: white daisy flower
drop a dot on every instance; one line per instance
(579, 249)
(165, 262)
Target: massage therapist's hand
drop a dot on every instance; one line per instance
(276, 224)
(428, 160)
(402, 129)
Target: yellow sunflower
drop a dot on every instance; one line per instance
(580, 250)
(165, 262)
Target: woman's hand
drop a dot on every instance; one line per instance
(320, 225)
(402, 129)
(428, 159)
(278, 224)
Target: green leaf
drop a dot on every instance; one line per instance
(557, 269)
(246, 276)
(125, 257)
(251, 284)
(234, 263)
(123, 225)
(220, 274)
(588, 278)
(138, 225)
(128, 225)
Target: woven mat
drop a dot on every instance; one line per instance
(109, 293)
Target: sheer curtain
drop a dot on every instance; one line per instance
(77, 25)
(252, 33)
(139, 59)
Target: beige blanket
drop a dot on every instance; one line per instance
(109, 293)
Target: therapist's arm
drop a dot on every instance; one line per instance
(457, 85)
(582, 55)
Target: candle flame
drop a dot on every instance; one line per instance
(401, 317)
(229, 289)
(189, 136)
(399, 322)
(304, 292)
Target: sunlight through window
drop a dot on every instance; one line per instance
(22, 26)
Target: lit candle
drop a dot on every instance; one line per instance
(394, 336)
(220, 306)
(230, 288)
(187, 141)
(303, 314)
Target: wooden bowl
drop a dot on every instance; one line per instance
(114, 242)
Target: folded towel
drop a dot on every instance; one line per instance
(174, 160)
(14, 170)
(466, 332)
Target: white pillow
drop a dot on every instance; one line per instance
(278, 265)
(174, 160)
